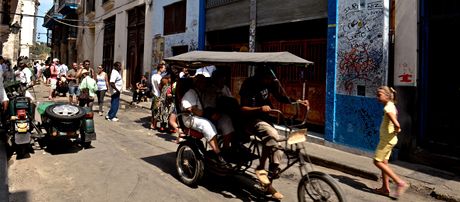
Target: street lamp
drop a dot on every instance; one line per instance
(15, 28)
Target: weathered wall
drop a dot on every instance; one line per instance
(189, 37)
(359, 44)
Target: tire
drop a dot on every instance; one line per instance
(75, 114)
(189, 164)
(317, 186)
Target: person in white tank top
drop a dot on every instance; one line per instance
(102, 86)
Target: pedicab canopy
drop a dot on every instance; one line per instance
(213, 57)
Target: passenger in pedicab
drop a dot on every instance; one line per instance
(220, 106)
(255, 106)
(192, 102)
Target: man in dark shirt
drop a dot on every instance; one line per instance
(255, 105)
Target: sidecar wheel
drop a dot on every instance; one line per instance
(189, 165)
(65, 112)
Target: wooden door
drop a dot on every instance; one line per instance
(135, 48)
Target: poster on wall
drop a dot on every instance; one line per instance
(362, 55)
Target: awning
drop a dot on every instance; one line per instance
(215, 57)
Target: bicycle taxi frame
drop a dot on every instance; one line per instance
(193, 158)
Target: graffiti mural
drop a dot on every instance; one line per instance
(362, 50)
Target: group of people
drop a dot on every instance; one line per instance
(82, 82)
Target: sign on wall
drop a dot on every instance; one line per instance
(406, 38)
(362, 59)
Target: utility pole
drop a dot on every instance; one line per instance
(252, 31)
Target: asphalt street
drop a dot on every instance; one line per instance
(129, 162)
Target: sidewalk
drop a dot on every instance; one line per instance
(439, 184)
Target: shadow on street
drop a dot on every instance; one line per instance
(240, 185)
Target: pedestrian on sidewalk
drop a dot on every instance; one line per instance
(156, 80)
(389, 130)
(102, 86)
(115, 83)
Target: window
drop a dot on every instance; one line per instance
(5, 16)
(90, 6)
(174, 18)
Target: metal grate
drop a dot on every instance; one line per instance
(217, 3)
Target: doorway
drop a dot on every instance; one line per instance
(135, 48)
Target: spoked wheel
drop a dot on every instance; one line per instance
(318, 186)
(189, 165)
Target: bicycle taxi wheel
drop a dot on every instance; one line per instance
(317, 186)
(189, 165)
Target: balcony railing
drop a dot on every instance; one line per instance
(67, 6)
(48, 21)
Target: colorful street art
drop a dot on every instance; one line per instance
(362, 55)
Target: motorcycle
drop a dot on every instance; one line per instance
(58, 121)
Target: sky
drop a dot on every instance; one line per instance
(45, 6)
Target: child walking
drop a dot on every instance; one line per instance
(388, 138)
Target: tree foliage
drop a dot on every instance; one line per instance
(39, 51)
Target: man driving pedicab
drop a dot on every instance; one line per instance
(255, 106)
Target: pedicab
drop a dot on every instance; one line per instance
(194, 157)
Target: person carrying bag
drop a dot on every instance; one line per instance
(88, 88)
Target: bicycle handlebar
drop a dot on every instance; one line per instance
(281, 114)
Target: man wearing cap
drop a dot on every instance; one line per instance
(255, 106)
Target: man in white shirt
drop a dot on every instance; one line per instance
(116, 83)
(62, 69)
(192, 102)
(156, 80)
(24, 75)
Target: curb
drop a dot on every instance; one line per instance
(344, 168)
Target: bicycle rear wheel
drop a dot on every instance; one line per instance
(317, 186)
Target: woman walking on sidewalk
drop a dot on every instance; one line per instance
(388, 138)
(102, 86)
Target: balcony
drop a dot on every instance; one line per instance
(49, 21)
(68, 6)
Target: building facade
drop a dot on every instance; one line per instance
(139, 34)
(22, 13)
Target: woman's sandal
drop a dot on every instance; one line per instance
(401, 188)
(380, 191)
